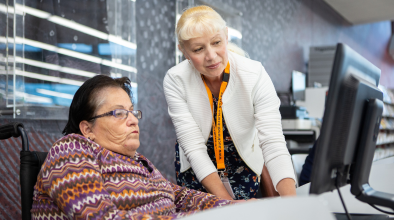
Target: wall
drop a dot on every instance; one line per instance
(277, 33)
(155, 55)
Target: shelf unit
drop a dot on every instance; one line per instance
(385, 142)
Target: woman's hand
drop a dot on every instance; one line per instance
(214, 185)
(244, 200)
(286, 187)
(239, 201)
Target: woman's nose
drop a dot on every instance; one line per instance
(211, 53)
(131, 119)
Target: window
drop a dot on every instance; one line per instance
(49, 48)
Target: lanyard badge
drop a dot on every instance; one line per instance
(218, 126)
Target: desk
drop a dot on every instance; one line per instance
(306, 206)
(380, 179)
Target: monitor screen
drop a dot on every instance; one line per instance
(353, 81)
(344, 151)
(298, 85)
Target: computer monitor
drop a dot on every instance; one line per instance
(298, 85)
(346, 145)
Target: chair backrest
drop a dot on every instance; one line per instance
(30, 165)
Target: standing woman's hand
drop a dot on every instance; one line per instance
(286, 187)
(214, 185)
(244, 200)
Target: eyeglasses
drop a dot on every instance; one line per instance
(120, 113)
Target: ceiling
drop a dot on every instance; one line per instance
(364, 11)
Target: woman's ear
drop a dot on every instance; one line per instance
(87, 129)
(183, 52)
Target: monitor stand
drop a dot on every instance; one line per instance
(380, 178)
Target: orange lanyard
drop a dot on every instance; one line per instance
(218, 130)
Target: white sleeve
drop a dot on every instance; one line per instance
(269, 127)
(188, 132)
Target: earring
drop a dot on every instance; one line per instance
(89, 138)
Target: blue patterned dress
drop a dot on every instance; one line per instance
(243, 180)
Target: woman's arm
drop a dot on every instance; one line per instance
(214, 185)
(286, 187)
(190, 138)
(188, 132)
(270, 134)
(72, 178)
(188, 200)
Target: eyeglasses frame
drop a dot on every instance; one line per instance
(112, 113)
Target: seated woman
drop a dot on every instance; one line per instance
(94, 171)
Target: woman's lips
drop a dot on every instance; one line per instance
(135, 132)
(214, 66)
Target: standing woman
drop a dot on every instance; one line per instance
(225, 112)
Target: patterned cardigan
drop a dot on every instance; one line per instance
(82, 180)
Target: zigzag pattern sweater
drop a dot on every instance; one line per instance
(82, 180)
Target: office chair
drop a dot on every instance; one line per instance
(30, 165)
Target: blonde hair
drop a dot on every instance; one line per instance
(200, 20)
(197, 21)
(234, 48)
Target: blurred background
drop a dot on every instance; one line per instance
(48, 48)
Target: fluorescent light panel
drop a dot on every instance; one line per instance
(71, 53)
(27, 97)
(49, 78)
(45, 77)
(3, 8)
(33, 11)
(20, 9)
(55, 67)
(75, 26)
(55, 94)
(49, 66)
(59, 68)
(33, 98)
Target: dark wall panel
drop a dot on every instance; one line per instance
(155, 55)
(278, 33)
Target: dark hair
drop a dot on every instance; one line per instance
(85, 104)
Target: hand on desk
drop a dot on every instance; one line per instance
(243, 200)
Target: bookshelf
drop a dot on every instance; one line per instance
(385, 142)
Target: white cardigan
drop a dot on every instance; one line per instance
(251, 112)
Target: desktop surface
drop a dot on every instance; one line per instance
(326, 206)
(303, 207)
(381, 179)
